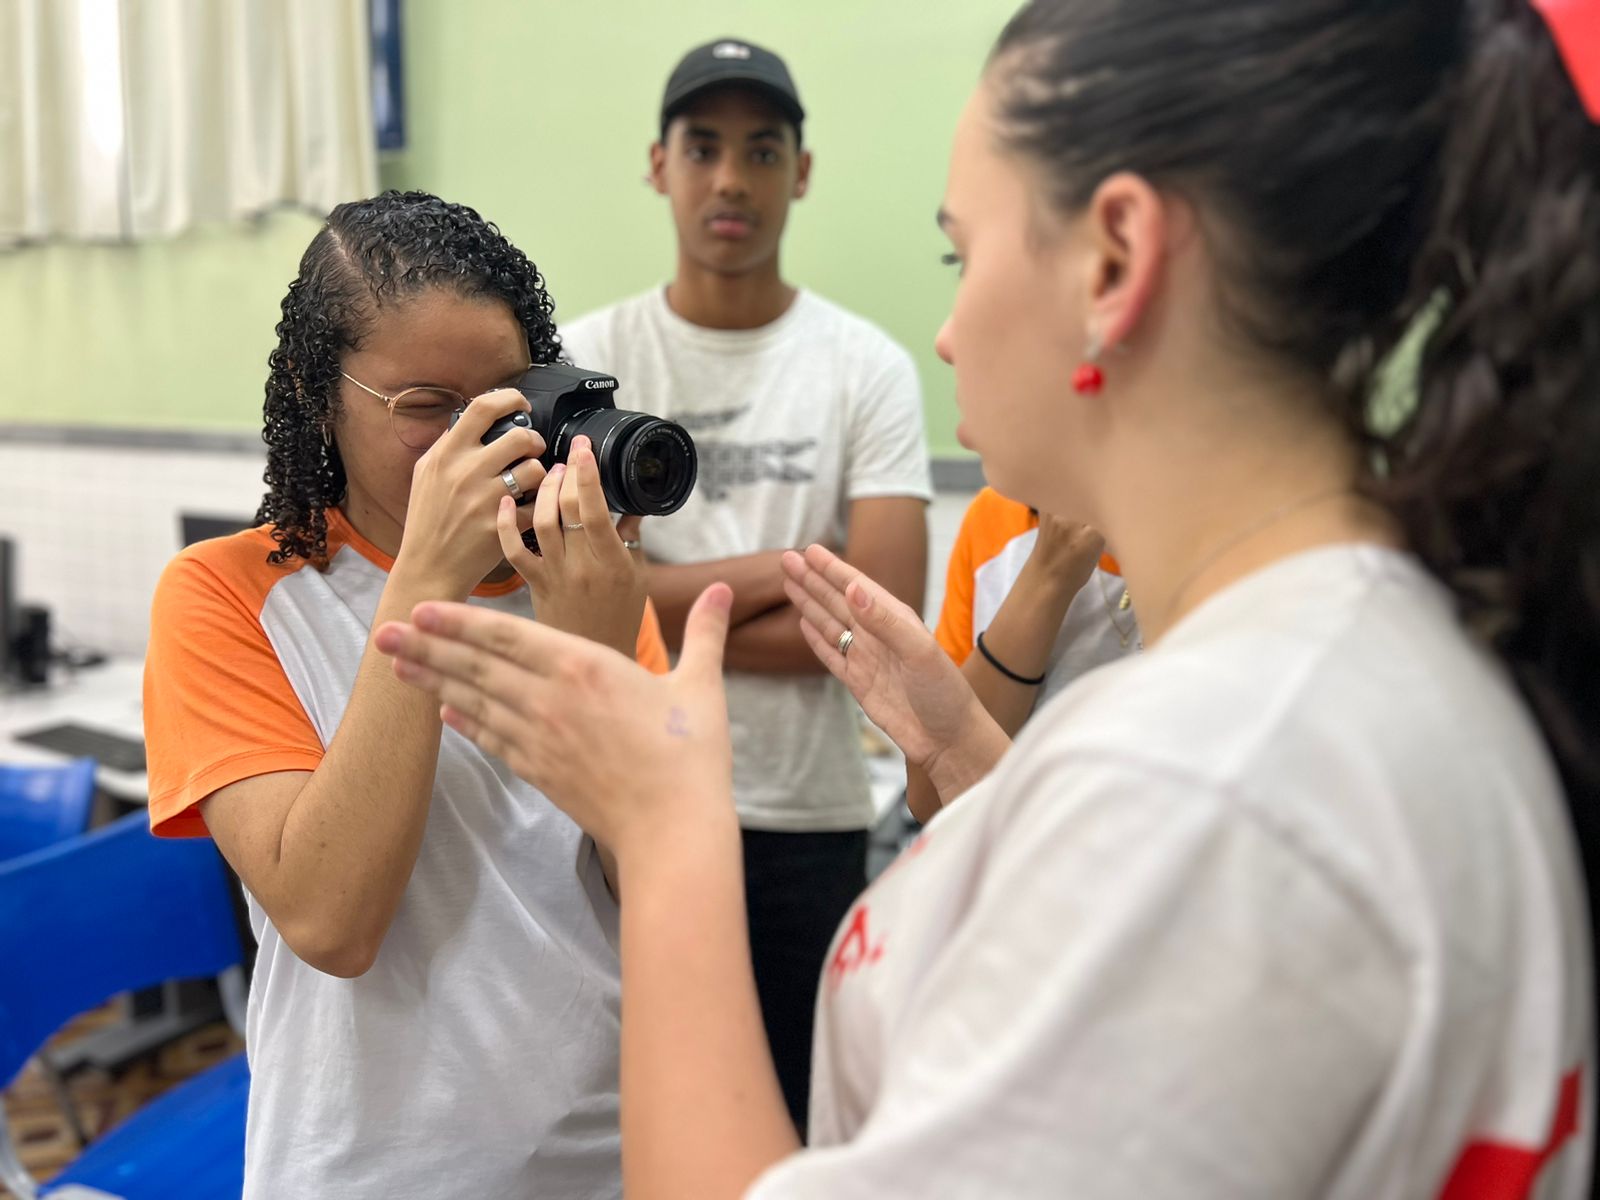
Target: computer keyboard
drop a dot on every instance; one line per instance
(110, 750)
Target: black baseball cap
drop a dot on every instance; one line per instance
(725, 61)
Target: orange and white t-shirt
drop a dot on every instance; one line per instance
(997, 535)
(479, 1054)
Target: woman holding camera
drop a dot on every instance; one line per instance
(1290, 904)
(434, 1007)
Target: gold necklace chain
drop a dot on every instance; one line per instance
(1123, 636)
(1240, 536)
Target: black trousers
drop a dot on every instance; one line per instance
(798, 888)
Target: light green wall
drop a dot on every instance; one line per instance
(538, 113)
(169, 335)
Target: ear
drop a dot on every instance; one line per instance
(658, 168)
(1127, 222)
(802, 178)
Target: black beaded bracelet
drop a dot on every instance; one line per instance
(994, 662)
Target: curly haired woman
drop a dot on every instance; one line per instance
(434, 1009)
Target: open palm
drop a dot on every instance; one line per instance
(894, 667)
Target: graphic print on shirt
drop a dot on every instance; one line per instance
(856, 948)
(1496, 1170)
(727, 465)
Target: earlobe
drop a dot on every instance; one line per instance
(803, 176)
(658, 166)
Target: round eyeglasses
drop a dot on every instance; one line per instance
(420, 415)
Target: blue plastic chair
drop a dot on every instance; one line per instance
(40, 805)
(113, 911)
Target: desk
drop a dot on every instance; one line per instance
(108, 697)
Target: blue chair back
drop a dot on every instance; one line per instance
(110, 911)
(40, 805)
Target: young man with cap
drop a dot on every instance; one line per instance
(809, 424)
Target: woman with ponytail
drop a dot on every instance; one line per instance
(1292, 904)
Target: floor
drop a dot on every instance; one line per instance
(43, 1134)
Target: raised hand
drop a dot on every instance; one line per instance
(450, 522)
(632, 757)
(1067, 552)
(893, 667)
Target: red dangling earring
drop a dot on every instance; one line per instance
(1088, 379)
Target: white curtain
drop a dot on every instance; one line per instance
(125, 119)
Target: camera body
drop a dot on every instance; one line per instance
(648, 466)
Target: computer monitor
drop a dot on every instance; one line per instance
(198, 527)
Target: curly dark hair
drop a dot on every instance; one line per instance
(367, 253)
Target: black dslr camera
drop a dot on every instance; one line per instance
(647, 466)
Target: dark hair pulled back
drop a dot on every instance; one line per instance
(1384, 166)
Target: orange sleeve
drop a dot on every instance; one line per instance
(651, 649)
(218, 707)
(954, 631)
(989, 525)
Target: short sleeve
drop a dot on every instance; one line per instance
(888, 452)
(218, 707)
(1148, 996)
(651, 649)
(954, 630)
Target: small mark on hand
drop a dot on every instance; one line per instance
(677, 723)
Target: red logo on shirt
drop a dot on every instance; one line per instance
(1489, 1170)
(856, 948)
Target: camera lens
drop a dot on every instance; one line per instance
(647, 466)
(660, 467)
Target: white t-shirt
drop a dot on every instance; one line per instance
(1287, 906)
(792, 421)
(478, 1056)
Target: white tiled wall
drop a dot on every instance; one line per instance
(944, 520)
(94, 527)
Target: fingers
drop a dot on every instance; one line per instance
(487, 738)
(523, 643)
(827, 652)
(705, 631)
(508, 525)
(816, 612)
(628, 530)
(819, 591)
(529, 475)
(483, 412)
(590, 502)
(467, 676)
(850, 599)
(832, 568)
(547, 517)
(571, 511)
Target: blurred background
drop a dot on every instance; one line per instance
(163, 164)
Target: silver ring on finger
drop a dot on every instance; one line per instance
(846, 640)
(573, 526)
(509, 478)
(631, 544)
